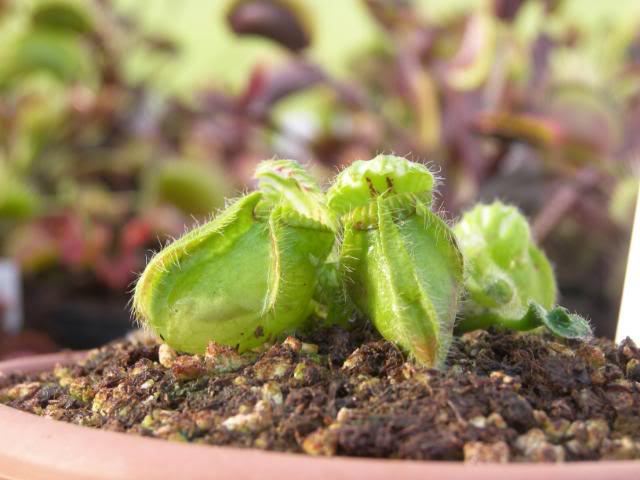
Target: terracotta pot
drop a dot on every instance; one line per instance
(33, 447)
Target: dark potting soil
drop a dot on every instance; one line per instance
(502, 397)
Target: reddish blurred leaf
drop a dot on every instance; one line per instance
(423, 98)
(266, 88)
(472, 62)
(278, 20)
(117, 272)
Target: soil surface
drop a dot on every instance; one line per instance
(503, 397)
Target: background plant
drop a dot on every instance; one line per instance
(256, 266)
(109, 108)
(248, 275)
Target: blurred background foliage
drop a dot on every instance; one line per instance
(123, 121)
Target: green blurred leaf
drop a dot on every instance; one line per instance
(18, 200)
(61, 15)
(190, 187)
(623, 200)
(46, 51)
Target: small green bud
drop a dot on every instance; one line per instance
(244, 278)
(509, 281)
(400, 262)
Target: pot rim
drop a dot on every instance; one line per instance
(36, 447)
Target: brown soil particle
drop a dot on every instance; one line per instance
(502, 397)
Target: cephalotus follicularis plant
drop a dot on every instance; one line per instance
(399, 260)
(370, 248)
(509, 281)
(248, 275)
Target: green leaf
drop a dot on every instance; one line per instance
(562, 323)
